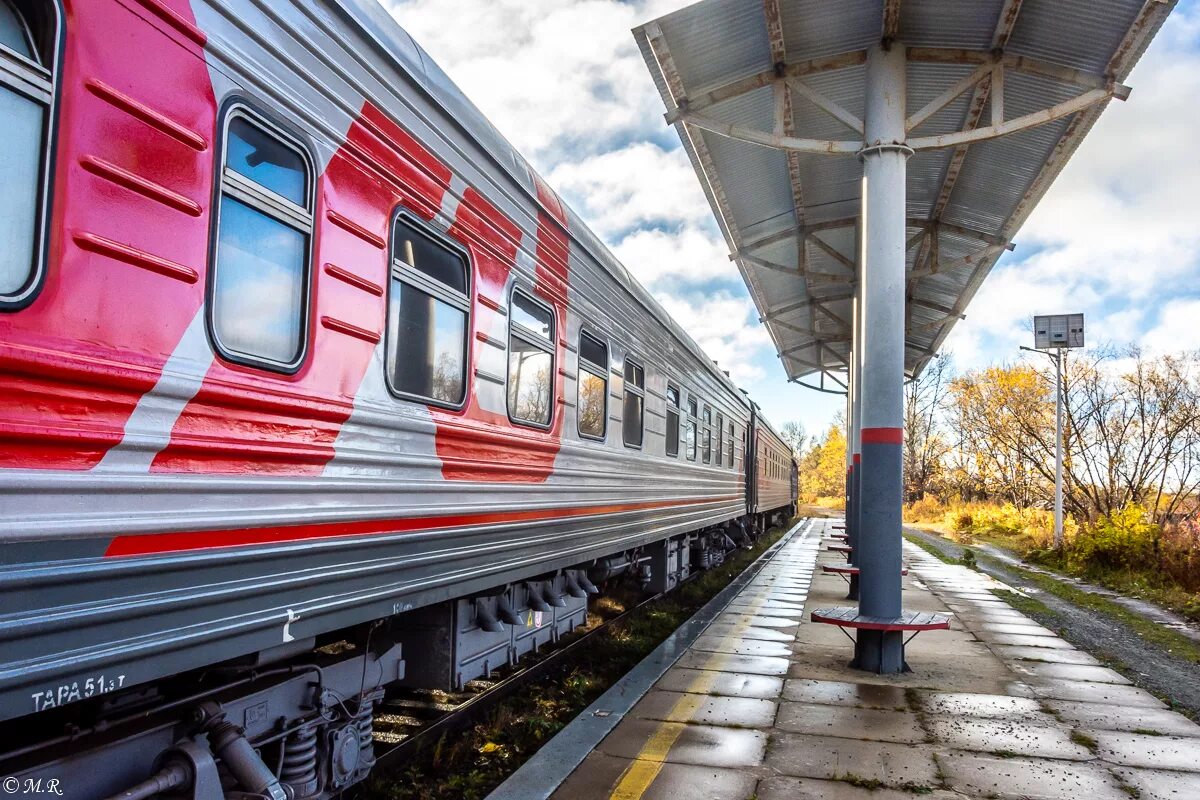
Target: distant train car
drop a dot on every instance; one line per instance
(773, 486)
(309, 386)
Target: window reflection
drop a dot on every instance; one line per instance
(259, 278)
(259, 284)
(690, 432)
(592, 392)
(672, 421)
(20, 177)
(707, 434)
(428, 316)
(24, 142)
(529, 368)
(634, 403)
(592, 402)
(264, 159)
(13, 34)
(427, 339)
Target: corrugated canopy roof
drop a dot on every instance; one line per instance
(768, 98)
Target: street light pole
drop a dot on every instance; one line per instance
(1058, 451)
(1058, 443)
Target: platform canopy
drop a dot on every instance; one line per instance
(768, 97)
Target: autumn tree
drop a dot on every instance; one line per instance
(925, 442)
(795, 437)
(823, 464)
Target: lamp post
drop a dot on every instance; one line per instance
(1058, 442)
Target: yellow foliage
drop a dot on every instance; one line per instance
(823, 467)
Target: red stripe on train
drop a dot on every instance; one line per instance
(156, 543)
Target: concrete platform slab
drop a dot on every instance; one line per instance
(1104, 716)
(1006, 737)
(1154, 752)
(1045, 654)
(1157, 784)
(982, 705)
(1069, 672)
(705, 709)
(1019, 640)
(844, 693)
(1027, 778)
(747, 631)
(600, 774)
(785, 788)
(755, 665)
(704, 745)
(1016, 628)
(726, 684)
(1096, 693)
(758, 620)
(736, 645)
(829, 757)
(898, 725)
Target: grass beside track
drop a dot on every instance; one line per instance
(1170, 640)
(470, 764)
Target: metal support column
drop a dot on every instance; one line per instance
(882, 419)
(853, 443)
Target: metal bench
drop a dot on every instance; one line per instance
(840, 548)
(844, 572)
(848, 617)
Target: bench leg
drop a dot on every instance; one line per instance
(881, 652)
(853, 593)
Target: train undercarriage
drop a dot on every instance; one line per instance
(296, 722)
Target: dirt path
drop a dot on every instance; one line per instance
(1149, 666)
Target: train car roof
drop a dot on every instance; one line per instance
(395, 44)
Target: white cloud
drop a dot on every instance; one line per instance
(662, 260)
(555, 76)
(1117, 232)
(1178, 328)
(633, 187)
(564, 81)
(727, 328)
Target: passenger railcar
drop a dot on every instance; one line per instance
(308, 386)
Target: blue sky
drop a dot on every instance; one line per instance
(1117, 237)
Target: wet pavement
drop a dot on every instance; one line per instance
(763, 705)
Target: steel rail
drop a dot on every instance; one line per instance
(463, 715)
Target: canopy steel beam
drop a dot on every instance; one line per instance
(784, 73)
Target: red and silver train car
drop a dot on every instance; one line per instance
(309, 386)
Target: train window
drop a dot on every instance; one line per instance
(530, 360)
(635, 403)
(259, 283)
(428, 311)
(719, 451)
(672, 421)
(732, 447)
(593, 386)
(693, 414)
(26, 96)
(706, 432)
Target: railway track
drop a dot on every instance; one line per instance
(409, 723)
(447, 721)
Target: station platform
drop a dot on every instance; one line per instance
(751, 699)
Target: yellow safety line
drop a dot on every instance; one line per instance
(638, 776)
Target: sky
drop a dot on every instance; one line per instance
(1117, 237)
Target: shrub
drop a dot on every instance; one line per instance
(1122, 540)
(928, 509)
(960, 520)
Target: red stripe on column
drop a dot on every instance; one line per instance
(858, 458)
(883, 435)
